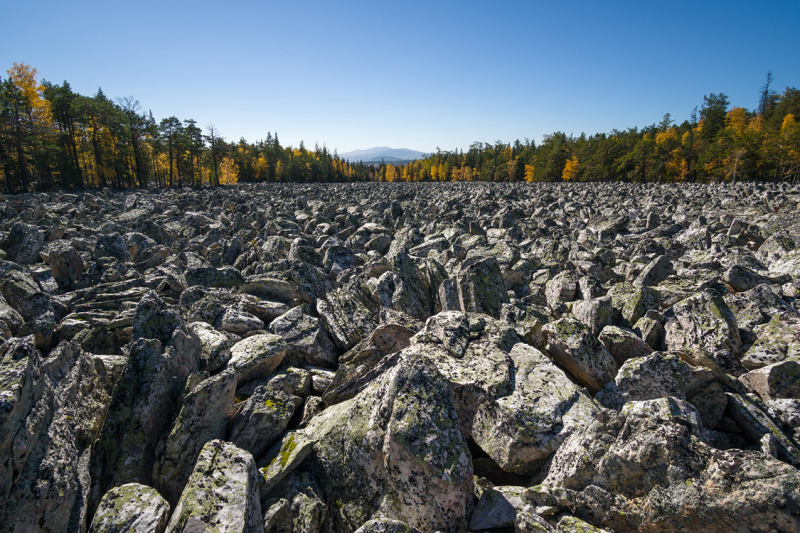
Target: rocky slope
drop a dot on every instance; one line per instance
(398, 358)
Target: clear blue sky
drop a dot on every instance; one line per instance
(409, 74)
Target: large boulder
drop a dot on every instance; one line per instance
(131, 508)
(481, 288)
(52, 411)
(640, 471)
(222, 493)
(66, 265)
(143, 407)
(204, 416)
(308, 343)
(404, 421)
(23, 243)
(705, 321)
(571, 345)
(257, 356)
(520, 430)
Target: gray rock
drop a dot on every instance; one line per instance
(222, 493)
(481, 288)
(142, 411)
(778, 380)
(623, 344)
(23, 244)
(616, 480)
(308, 343)
(131, 508)
(261, 419)
(203, 417)
(417, 432)
(215, 346)
(257, 356)
(706, 321)
(571, 345)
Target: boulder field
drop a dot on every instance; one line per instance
(397, 358)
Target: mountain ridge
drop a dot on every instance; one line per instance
(385, 153)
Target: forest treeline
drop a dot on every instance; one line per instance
(53, 137)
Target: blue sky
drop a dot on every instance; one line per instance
(412, 74)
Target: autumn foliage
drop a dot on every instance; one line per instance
(52, 137)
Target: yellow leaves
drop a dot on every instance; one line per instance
(529, 173)
(789, 125)
(391, 173)
(228, 171)
(756, 123)
(736, 119)
(570, 169)
(668, 135)
(23, 77)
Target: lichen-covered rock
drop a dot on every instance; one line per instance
(645, 378)
(153, 319)
(386, 525)
(571, 345)
(9, 316)
(308, 343)
(131, 508)
(143, 407)
(706, 321)
(215, 347)
(752, 416)
(777, 340)
(261, 419)
(111, 245)
(278, 516)
(623, 344)
(596, 313)
(345, 318)
(655, 272)
(214, 277)
(412, 293)
(571, 524)
(778, 380)
(651, 332)
(222, 493)
(396, 449)
(23, 243)
(257, 356)
(520, 430)
(66, 265)
(497, 507)
(742, 279)
(481, 288)
(204, 416)
(635, 304)
(52, 410)
(645, 473)
(386, 339)
(561, 288)
(238, 322)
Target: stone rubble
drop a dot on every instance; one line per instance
(401, 358)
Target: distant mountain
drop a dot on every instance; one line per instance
(383, 153)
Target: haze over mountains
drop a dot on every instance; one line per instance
(383, 153)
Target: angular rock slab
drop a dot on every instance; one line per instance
(204, 416)
(395, 448)
(571, 345)
(222, 493)
(645, 473)
(520, 430)
(707, 321)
